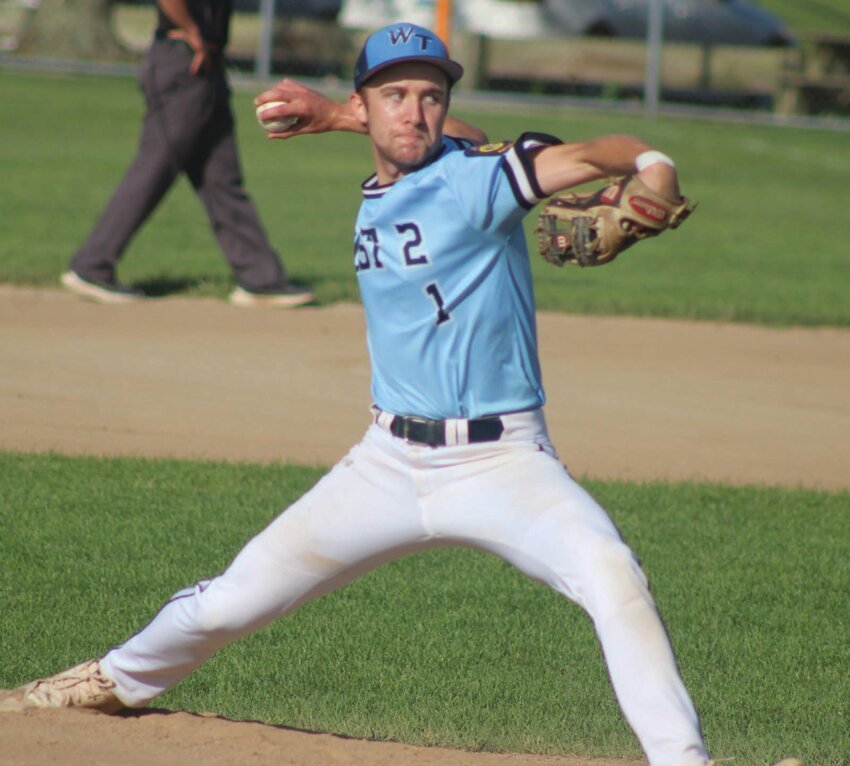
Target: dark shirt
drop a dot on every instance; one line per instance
(211, 16)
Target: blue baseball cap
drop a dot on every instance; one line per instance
(401, 42)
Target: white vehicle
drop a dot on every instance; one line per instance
(710, 22)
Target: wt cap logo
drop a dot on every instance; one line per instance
(407, 35)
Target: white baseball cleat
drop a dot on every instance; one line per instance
(83, 686)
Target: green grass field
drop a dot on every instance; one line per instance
(768, 243)
(812, 15)
(451, 647)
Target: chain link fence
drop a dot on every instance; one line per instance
(806, 75)
(762, 69)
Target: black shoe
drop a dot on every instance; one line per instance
(102, 292)
(288, 296)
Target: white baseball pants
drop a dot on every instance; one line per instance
(388, 498)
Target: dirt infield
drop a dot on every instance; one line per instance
(628, 398)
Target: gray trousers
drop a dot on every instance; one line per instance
(188, 128)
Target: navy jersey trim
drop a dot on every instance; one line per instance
(371, 188)
(519, 167)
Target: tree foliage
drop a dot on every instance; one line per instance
(74, 29)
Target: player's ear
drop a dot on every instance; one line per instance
(358, 107)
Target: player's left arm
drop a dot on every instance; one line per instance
(564, 166)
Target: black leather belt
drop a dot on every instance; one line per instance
(433, 432)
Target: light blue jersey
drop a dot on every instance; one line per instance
(446, 283)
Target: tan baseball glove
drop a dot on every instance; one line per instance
(593, 229)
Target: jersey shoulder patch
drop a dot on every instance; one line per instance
(488, 150)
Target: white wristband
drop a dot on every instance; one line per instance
(650, 158)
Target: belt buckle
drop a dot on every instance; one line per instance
(419, 430)
(430, 432)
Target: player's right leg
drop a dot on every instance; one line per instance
(358, 516)
(363, 513)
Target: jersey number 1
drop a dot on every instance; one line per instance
(434, 292)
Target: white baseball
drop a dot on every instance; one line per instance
(274, 124)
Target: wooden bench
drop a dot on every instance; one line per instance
(816, 79)
(805, 94)
(826, 54)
